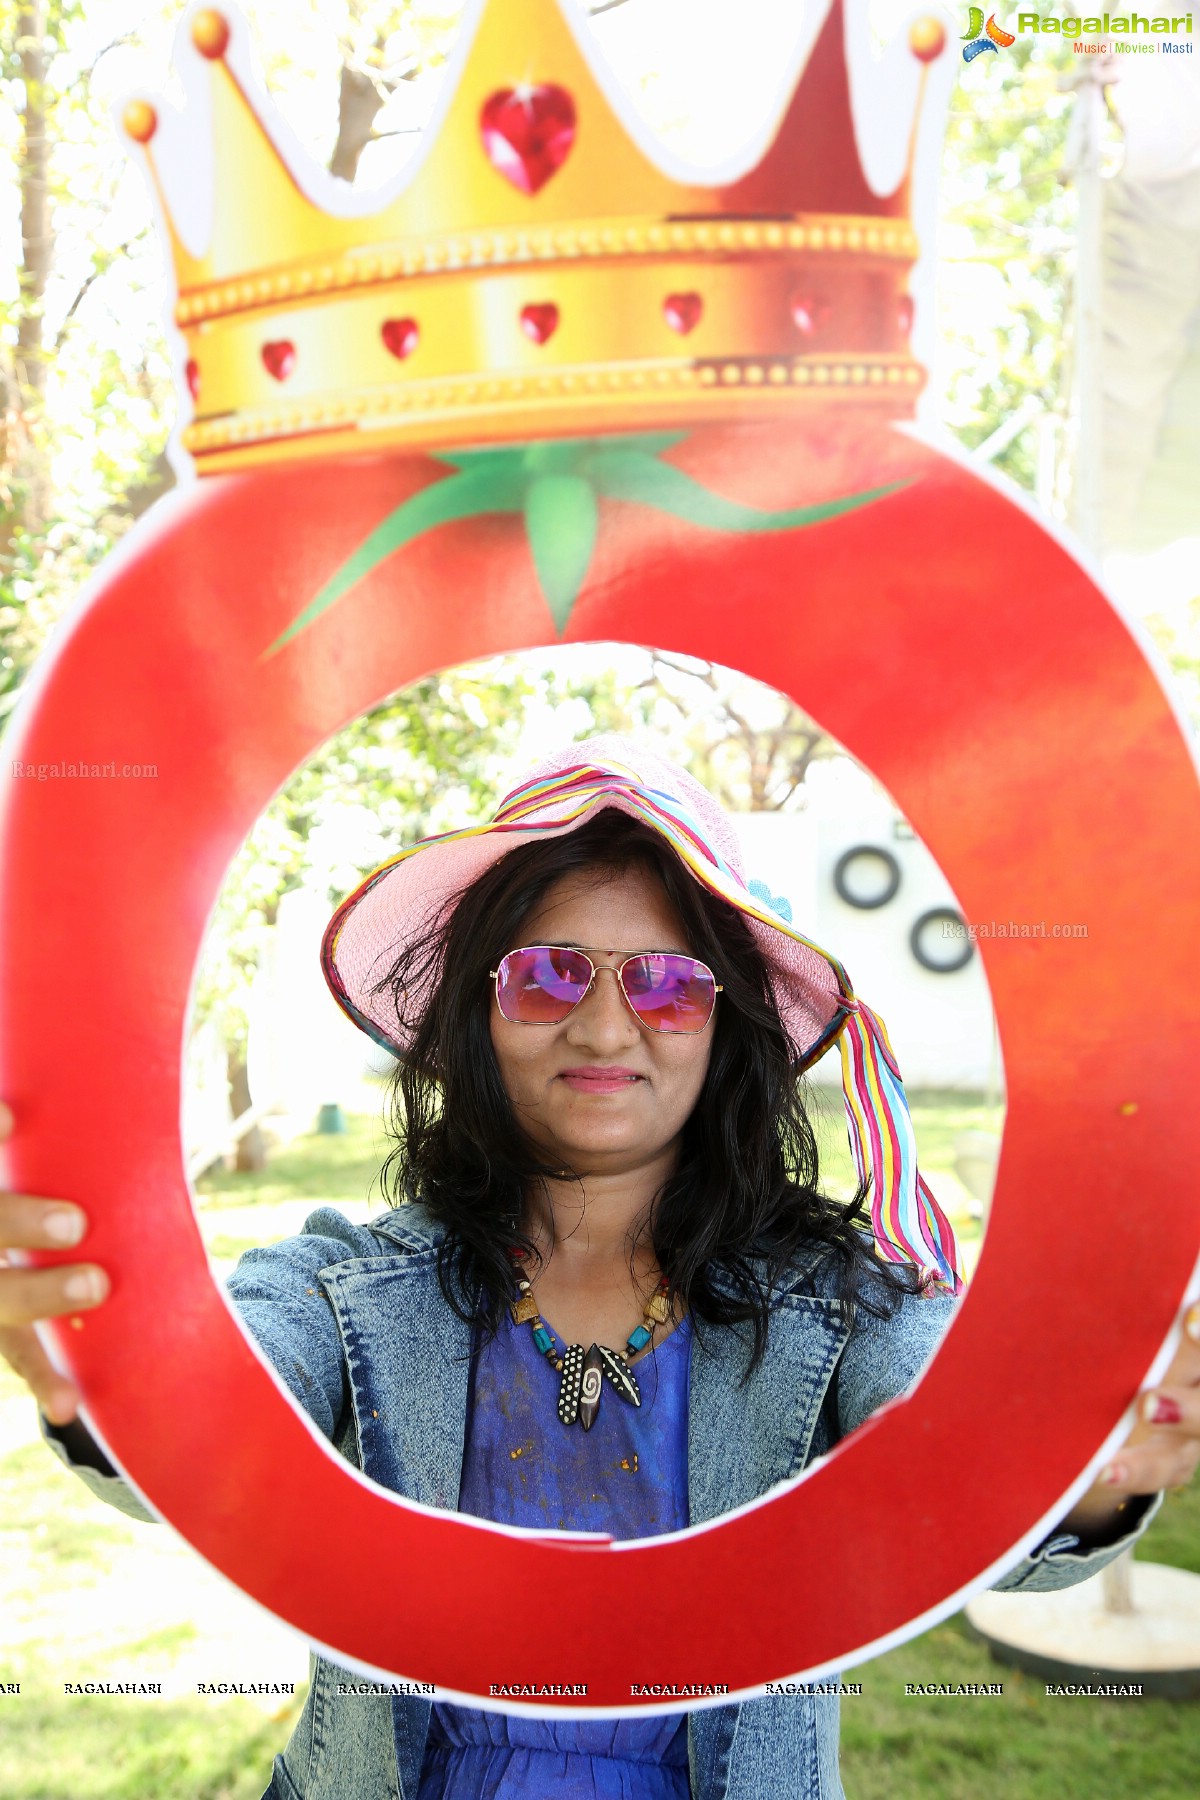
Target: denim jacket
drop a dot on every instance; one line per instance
(346, 1315)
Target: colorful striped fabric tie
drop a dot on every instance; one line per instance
(908, 1223)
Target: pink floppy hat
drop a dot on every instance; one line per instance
(409, 896)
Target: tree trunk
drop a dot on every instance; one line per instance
(251, 1152)
(37, 254)
(359, 101)
(158, 480)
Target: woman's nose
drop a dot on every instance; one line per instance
(603, 1016)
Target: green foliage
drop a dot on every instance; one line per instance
(83, 366)
(396, 773)
(1007, 245)
(87, 429)
(1178, 637)
(1006, 249)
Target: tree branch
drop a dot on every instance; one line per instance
(101, 268)
(127, 37)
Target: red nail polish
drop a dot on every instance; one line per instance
(1114, 1474)
(1162, 1410)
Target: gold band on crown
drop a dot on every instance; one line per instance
(593, 242)
(784, 312)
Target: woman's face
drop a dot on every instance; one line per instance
(600, 1092)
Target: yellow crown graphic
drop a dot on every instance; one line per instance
(538, 272)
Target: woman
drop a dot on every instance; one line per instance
(576, 1318)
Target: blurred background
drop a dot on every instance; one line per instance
(1064, 353)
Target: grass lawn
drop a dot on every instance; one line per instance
(85, 1593)
(1019, 1745)
(322, 1169)
(97, 1748)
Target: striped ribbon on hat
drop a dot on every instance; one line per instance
(908, 1223)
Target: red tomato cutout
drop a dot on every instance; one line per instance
(958, 651)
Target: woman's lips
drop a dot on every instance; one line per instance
(599, 1081)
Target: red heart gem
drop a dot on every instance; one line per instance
(539, 322)
(527, 133)
(192, 373)
(401, 336)
(904, 313)
(810, 313)
(279, 358)
(682, 311)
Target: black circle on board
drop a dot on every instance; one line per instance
(959, 945)
(864, 853)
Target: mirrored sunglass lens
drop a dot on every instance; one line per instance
(670, 993)
(540, 986)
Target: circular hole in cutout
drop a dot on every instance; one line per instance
(285, 1100)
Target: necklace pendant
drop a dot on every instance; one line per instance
(571, 1383)
(583, 1377)
(621, 1376)
(589, 1393)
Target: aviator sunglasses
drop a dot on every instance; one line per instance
(541, 983)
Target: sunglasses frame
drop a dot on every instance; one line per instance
(618, 969)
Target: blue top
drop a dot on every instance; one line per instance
(626, 1476)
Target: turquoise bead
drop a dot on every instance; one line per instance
(543, 1340)
(638, 1338)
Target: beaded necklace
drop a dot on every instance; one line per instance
(583, 1372)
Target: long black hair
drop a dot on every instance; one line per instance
(744, 1205)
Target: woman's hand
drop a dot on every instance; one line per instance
(1162, 1450)
(29, 1294)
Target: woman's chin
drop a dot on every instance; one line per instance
(604, 1154)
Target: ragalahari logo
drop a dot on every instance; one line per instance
(984, 37)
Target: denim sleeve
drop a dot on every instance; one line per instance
(278, 1297)
(280, 1300)
(1062, 1559)
(884, 1357)
(77, 1450)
